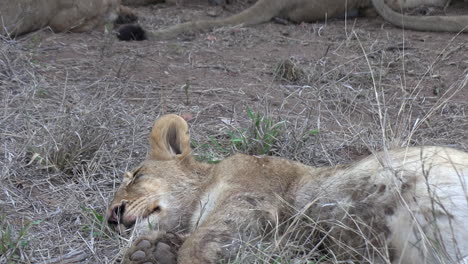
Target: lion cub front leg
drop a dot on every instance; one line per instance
(155, 248)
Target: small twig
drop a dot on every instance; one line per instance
(71, 257)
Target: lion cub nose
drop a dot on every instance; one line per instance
(115, 215)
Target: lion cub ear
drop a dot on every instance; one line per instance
(169, 138)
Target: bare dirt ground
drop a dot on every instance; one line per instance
(76, 109)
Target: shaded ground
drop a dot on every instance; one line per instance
(76, 109)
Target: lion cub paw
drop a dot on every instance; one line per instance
(156, 249)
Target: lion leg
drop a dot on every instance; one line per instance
(222, 234)
(155, 248)
(207, 245)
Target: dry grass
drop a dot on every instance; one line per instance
(76, 111)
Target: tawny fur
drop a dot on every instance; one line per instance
(313, 10)
(22, 16)
(401, 206)
(454, 24)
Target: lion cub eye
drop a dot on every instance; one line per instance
(136, 174)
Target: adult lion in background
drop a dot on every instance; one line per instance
(311, 11)
(404, 206)
(23, 16)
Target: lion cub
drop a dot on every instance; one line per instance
(403, 206)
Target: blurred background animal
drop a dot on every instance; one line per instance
(299, 11)
(23, 16)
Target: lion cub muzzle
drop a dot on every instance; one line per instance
(115, 214)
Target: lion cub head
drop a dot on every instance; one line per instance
(151, 194)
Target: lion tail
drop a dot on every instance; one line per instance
(422, 23)
(262, 11)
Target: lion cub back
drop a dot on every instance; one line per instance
(249, 182)
(403, 200)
